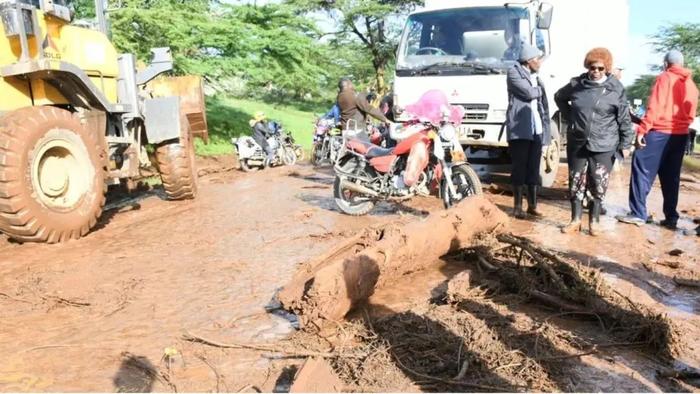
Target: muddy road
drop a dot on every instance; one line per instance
(108, 312)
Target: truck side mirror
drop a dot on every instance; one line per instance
(544, 16)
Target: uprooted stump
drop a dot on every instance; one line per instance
(523, 267)
(329, 287)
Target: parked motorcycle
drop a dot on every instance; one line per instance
(427, 156)
(251, 156)
(288, 139)
(326, 143)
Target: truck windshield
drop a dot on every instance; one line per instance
(491, 36)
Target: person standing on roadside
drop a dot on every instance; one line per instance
(260, 134)
(595, 107)
(692, 135)
(661, 141)
(527, 125)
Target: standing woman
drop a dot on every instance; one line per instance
(527, 123)
(594, 105)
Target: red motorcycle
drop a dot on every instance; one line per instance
(428, 156)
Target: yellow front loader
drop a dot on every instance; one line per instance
(76, 116)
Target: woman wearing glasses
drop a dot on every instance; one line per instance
(594, 105)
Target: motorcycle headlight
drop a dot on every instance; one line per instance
(448, 132)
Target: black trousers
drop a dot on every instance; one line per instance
(588, 171)
(526, 156)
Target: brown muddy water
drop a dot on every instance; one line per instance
(98, 314)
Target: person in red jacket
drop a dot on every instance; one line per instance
(661, 139)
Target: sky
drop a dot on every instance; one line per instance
(646, 17)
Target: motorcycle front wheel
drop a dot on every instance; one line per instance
(348, 201)
(289, 157)
(299, 152)
(466, 183)
(315, 158)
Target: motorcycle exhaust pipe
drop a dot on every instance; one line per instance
(357, 188)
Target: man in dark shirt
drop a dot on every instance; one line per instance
(354, 106)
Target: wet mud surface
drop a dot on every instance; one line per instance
(108, 312)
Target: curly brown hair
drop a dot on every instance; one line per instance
(602, 55)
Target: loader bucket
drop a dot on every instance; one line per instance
(190, 89)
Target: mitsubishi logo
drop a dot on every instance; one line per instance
(455, 93)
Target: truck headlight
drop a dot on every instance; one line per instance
(448, 132)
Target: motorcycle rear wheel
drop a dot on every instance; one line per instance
(245, 167)
(466, 182)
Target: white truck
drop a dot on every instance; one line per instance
(464, 48)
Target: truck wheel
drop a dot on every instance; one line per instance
(177, 169)
(549, 166)
(52, 173)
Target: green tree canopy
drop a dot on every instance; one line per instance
(269, 49)
(366, 22)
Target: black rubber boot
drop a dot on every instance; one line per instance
(594, 218)
(518, 202)
(576, 213)
(532, 201)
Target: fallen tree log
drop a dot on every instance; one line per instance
(327, 289)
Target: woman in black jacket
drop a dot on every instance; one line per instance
(594, 105)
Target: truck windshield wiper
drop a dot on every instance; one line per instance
(432, 68)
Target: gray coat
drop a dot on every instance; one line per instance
(519, 115)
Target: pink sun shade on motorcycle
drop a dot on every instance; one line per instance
(433, 106)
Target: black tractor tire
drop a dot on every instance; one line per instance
(52, 175)
(176, 164)
(465, 174)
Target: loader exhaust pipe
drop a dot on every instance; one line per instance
(357, 188)
(101, 14)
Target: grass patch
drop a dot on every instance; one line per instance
(228, 117)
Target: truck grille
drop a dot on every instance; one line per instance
(475, 116)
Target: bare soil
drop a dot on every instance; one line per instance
(108, 312)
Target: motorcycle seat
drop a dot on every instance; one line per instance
(378, 151)
(369, 150)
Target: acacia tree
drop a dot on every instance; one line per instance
(367, 22)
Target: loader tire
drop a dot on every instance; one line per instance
(52, 172)
(177, 169)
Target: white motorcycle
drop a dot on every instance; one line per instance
(251, 156)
